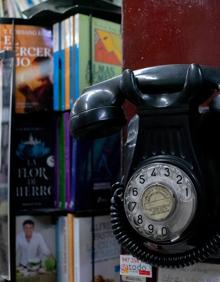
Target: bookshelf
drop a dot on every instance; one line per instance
(41, 21)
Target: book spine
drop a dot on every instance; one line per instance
(57, 163)
(58, 249)
(73, 175)
(65, 251)
(62, 164)
(70, 220)
(76, 250)
(62, 268)
(56, 59)
(76, 58)
(63, 67)
(82, 53)
(72, 61)
(67, 149)
(67, 62)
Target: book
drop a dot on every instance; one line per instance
(62, 66)
(34, 79)
(62, 164)
(106, 50)
(68, 62)
(56, 66)
(34, 162)
(6, 64)
(35, 249)
(204, 272)
(62, 249)
(65, 248)
(82, 53)
(98, 51)
(95, 164)
(67, 160)
(70, 220)
(95, 167)
(96, 251)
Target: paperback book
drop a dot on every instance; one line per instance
(95, 164)
(96, 251)
(34, 161)
(95, 167)
(35, 249)
(33, 48)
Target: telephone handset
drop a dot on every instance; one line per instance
(165, 210)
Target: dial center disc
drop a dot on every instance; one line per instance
(158, 202)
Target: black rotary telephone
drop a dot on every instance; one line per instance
(166, 209)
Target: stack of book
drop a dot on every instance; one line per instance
(66, 249)
(53, 170)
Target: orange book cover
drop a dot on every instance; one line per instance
(33, 49)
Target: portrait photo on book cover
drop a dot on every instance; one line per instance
(35, 248)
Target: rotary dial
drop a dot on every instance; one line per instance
(160, 201)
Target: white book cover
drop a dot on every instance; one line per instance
(200, 272)
(35, 249)
(104, 262)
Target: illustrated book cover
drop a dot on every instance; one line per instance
(34, 161)
(34, 78)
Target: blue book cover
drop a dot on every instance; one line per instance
(34, 161)
(56, 65)
(95, 167)
(62, 60)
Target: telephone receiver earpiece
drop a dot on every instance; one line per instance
(98, 111)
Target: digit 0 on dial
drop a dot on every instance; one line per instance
(160, 201)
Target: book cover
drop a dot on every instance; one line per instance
(106, 49)
(34, 161)
(35, 249)
(96, 251)
(95, 167)
(33, 46)
(203, 272)
(81, 175)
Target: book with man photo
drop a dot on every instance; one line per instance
(35, 249)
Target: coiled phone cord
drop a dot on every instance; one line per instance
(132, 243)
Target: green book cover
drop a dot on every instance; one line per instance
(82, 53)
(97, 52)
(106, 50)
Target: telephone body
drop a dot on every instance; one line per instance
(166, 209)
